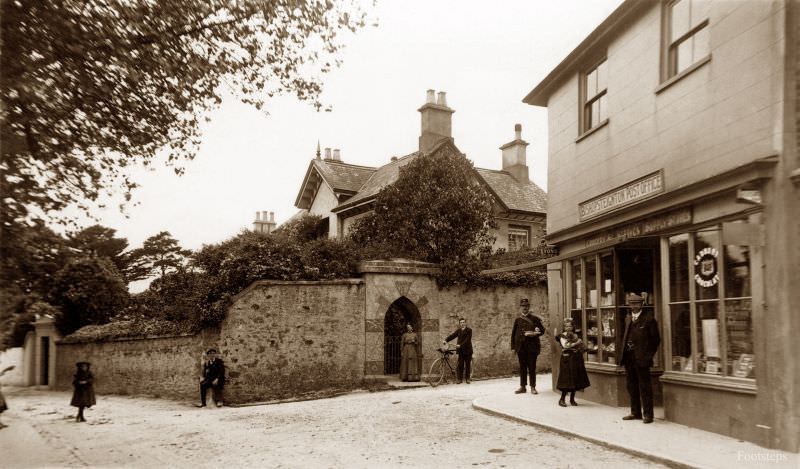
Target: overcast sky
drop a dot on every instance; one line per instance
(486, 55)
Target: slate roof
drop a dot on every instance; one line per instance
(515, 195)
(343, 176)
(381, 178)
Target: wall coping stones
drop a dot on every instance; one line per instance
(398, 266)
(261, 283)
(71, 340)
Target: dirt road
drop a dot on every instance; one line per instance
(421, 427)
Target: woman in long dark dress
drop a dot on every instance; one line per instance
(83, 395)
(571, 371)
(409, 355)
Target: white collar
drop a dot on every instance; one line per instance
(636, 315)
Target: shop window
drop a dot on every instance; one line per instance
(687, 35)
(518, 237)
(593, 309)
(593, 103)
(711, 327)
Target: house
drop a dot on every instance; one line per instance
(341, 192)
(673, 173)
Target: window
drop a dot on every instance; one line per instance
(710, 305)
(593, 305)
(687, 34)
(518, 237)
(593, 91)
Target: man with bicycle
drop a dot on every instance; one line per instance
(464, 349)
(525, 341)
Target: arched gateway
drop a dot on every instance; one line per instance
(401, 312)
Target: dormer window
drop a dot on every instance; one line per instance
(594, 85)
(687, 35)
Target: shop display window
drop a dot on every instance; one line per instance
(593, 306)
(711, 328)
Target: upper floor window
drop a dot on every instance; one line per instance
(688, 34)
(594, 89)
(518, 238)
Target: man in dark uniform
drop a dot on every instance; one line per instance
(525, 341)
(464, 350)
(213, 378)
(641, 341)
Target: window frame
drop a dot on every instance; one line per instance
(669, 57)
(522, 228)
(585, 128)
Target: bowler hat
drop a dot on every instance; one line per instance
(524, 302)
(82, 363)
(634, 298)
(211, 350)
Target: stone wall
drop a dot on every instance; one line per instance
(287, 338)
(160, 367)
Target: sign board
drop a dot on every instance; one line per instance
(644, 227)
(632, 192)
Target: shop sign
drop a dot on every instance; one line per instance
(630, 193)
(706, 273)
(644, 227)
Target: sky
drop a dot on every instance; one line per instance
(485, 56)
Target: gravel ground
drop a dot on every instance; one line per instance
(419, 427)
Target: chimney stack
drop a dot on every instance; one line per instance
(264, 222)
(336, 155)
(436, 121)
(515, 156)
(327, 153)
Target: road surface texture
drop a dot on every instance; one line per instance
(419, 427)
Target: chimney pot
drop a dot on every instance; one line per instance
(258, 216)
(394, 158)
(327, 153)
(336, 155)
(431, 97)
(442, 101)
(272, 217)
(518, 131)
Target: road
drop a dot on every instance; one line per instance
(419, 427)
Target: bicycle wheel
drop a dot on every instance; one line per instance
(436, 375)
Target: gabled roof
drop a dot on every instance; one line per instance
(510, 193)
(343, 178)
(514, 195)
(381, 178)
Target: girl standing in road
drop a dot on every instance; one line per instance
(83, 395)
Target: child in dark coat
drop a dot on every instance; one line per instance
(83, 395)
(572, 373)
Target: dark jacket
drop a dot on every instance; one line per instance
(214, 370)
(519, 341)
(645, 338)
(83, 395)
(464, 341)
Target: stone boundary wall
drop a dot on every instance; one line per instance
(160, 366)
(282, 339)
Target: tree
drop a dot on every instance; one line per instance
(159, 254)
(101, 241)
(88, 291)
(436, 211)
(91, 88)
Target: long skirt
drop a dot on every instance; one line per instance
(409, 363)
(572, 372)
(83, 396)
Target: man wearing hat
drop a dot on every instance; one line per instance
(213, 378)
(640, 343)
(525, 341)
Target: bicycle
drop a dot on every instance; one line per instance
(441, 368)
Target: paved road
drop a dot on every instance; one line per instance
(420, 427)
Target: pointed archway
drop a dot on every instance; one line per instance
(400, 313)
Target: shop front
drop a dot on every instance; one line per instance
(696, 257)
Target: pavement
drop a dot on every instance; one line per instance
(664, 442)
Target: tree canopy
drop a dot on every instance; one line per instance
(91, 88)
(436, 211)
(158, 255)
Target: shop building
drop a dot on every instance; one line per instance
(674, 174)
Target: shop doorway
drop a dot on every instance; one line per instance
(403, 311)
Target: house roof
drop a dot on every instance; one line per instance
(343, 178)
(586, 50)
(515, 195)
(512, 194)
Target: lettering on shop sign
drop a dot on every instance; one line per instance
(632, 192)
(644, 227)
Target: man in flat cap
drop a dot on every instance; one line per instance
(525, 341)
(640, 343)
(213, 378)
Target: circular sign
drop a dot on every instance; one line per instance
(706, 273)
